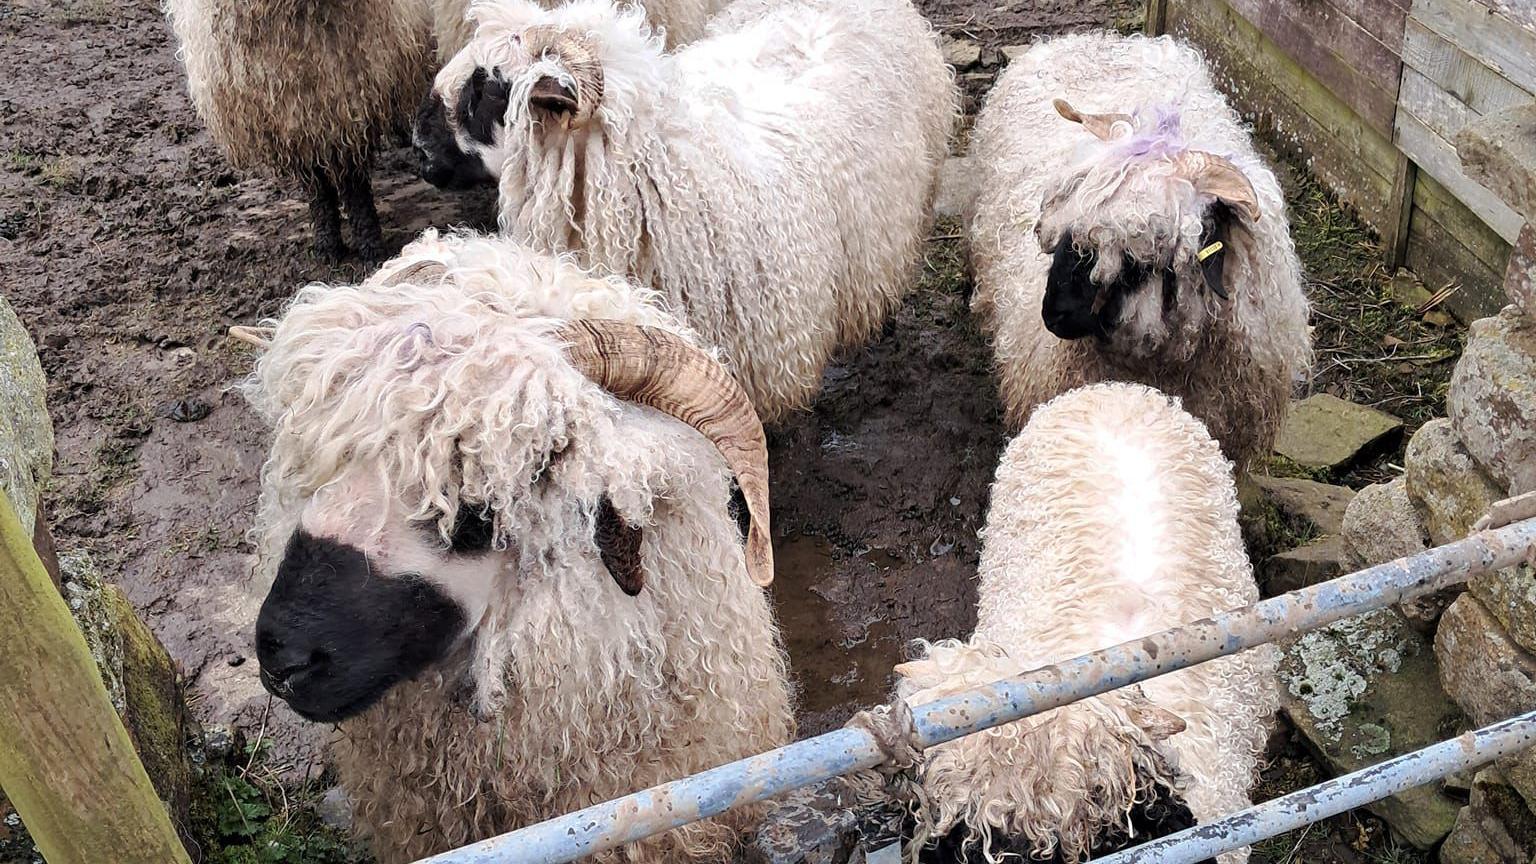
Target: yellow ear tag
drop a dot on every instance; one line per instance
(1209, 250)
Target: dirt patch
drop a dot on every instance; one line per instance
(129, 247)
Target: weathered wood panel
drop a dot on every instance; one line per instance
(1437, 156)
(1336, 50)
(1291, 107)
(1456, 72)
(1381, 18)
(1487, 36)
(1433, 200)
(1446, 245)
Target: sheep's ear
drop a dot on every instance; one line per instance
(483, 104)
(618, 544)
(552, 96)
(1213, 248)
(1219, 178)
(1103, 126)
(1159, 723)
(258, 337)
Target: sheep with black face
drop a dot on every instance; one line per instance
(502, 550)
(1147, 246)
(772, 180)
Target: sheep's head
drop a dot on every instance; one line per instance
(399, 536)
(1140, 232)
(526, 71)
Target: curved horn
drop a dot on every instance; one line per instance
(575, 52)
(1101, 125)
(650, 366)
(1219, 178)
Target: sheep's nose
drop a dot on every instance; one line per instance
(281, 662)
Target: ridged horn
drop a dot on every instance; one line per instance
(1216, 176)
(258, 337)
(650, 366)
(575, 52)
(1101, 125)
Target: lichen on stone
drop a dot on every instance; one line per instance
(26, 433)
(1329, 669)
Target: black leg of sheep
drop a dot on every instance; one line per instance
(357, 197)
(324, 214)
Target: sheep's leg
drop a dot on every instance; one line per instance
(324, 216)
(357, 195)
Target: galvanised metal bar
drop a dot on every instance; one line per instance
(661, 808)
(1315, 803)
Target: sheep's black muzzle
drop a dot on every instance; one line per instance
(1075, 306)
(440, 159)
(334, 633)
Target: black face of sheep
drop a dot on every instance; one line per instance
(334, 633)
(1075, 306)
(480, 109)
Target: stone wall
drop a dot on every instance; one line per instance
(1484, 636)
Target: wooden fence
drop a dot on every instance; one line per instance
(1370, 94)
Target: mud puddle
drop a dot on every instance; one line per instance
(834, 663)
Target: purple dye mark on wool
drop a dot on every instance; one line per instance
(1158, 134)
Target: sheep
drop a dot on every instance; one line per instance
(1094, 241)
(772, 180)
(682, 21)
(1113, 516)
(500, 557)
(306, 91)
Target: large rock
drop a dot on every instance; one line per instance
(26, 434)
(1381, 525)
(1499, 152)
(1511, 596)
(1309, 564)
(1447, 484)
(1492, 399)
(1363, 690)
(1520, 274)
(1494, 828)
(141, 680)
(1319, 504)
(1324, 431)
(1483, 670)
(957, 188)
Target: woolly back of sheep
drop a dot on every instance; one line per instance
(427, 398)
(1232, 360)
(1114, 515)
(773, 180)
(285, 86)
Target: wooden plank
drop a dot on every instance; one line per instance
(1438, 158)
(1291, 108)
(1383, 19)
(1395, 235)
(1434, 201)
(1157, 17)
(1435, 255)
(1453, 70)
(1487, 36)
(1438, 109)
(66, 761)
(1335, 50)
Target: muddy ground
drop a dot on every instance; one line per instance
(129, 247)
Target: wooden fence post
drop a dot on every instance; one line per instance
(66, 762)
(1157, 17)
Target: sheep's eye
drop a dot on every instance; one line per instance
(473, 532)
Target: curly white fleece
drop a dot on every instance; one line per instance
(394, 403)
(773, 180)
(1232, 362)
(1114, 516)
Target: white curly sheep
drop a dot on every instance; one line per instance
(502, 563)
(772, 180)
(1114, 516)
(1088, 237)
